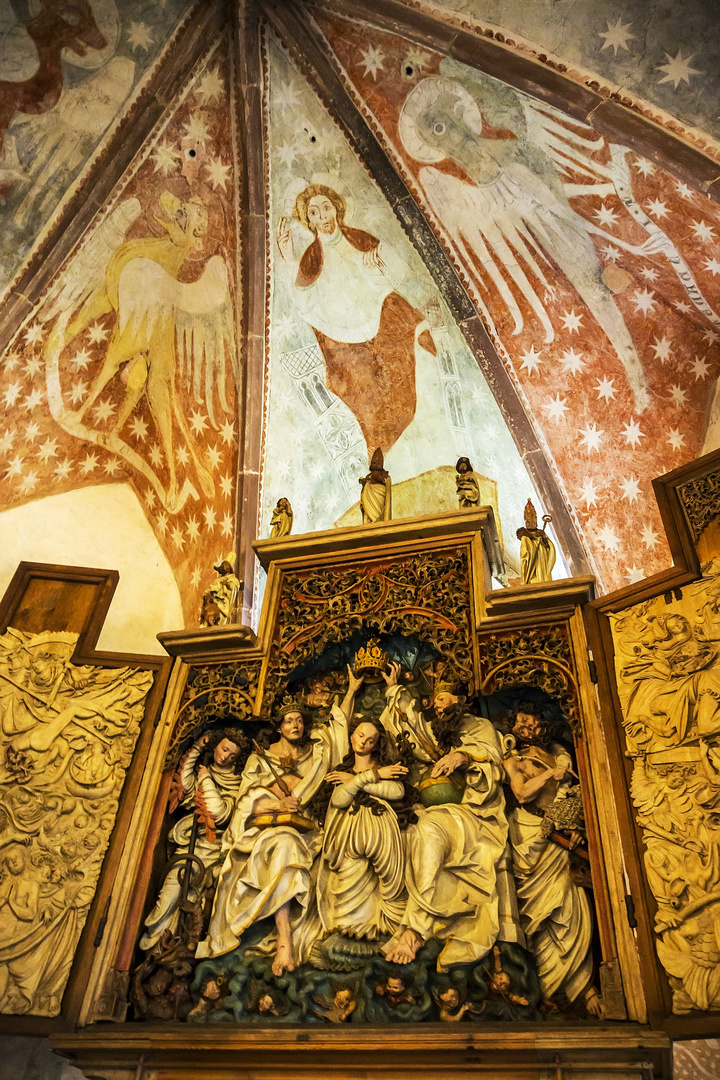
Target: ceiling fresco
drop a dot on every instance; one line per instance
(127, 371)
(67, 72)
(597, 274)
(661, 53)
(363, 352)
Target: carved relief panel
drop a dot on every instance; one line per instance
(667, 659)
(69, 733)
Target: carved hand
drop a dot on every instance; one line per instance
(449, 763)
(337, 777)
(354, 681)
(289, 803)
(392, 677)
(391, 772)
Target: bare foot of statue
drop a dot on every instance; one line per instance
(406, 949)
(284, 960)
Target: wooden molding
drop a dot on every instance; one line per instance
(390, 1052)
(384, 535)
(553, 598)
(210, 645)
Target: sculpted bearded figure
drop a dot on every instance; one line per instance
(555, 911)
(207, 782)
(454, 850)
(273, 840)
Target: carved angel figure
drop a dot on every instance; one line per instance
(166, 331)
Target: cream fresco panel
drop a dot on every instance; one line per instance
(330, 403)
(101, 527)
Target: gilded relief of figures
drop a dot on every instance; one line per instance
(69, 733)
(668, 670)
(128, 372)
(375, 848)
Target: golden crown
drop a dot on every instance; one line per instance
(444, 687)
(370, 660)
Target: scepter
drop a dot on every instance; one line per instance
(278, 777)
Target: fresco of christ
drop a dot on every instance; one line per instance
(368, 333)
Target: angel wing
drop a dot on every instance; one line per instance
(85, 276)
(199, 313)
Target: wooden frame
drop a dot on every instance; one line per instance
(669, 582)
(85, 653)
(346, 1053)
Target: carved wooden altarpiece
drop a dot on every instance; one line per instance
(422, 587)
(76, 726)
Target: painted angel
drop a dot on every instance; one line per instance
(499, 169)
(167, 333)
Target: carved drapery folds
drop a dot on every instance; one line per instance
(69, 733)
(540, 657)
(700, 500)
(668, 671)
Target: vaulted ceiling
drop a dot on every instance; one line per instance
(542, 179)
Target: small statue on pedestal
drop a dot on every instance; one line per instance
(468, 489)
(376, 494)
(281, 520)
(537, 551)
(219, 599)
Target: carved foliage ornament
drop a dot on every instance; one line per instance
(668, 673)
(214, 694)
(539, 657)
(426, 594)
(69, 733)
(700, 500)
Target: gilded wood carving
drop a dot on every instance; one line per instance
(415, 851)
(426, 593)
(668, 673)
(69, 733)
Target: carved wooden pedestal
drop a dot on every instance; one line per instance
(617, 1052)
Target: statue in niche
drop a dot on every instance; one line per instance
(273, 839)
(462, 759)
(282, 519)
(556, 913)
(468, 489)
(361, 873)
(376, 493)
(220, 598)
(206, 783)
(537, 551)
(69, 734)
